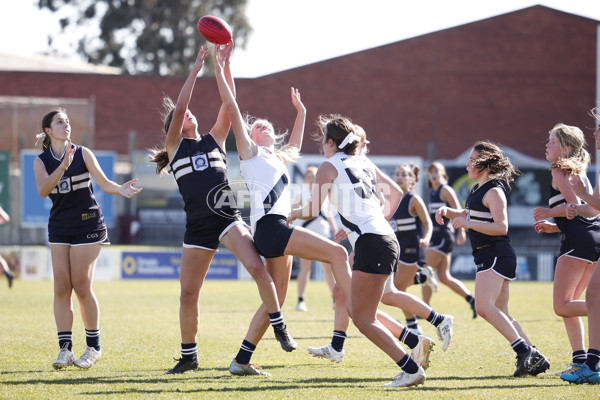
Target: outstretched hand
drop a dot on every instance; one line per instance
(296, 101)
(202, 54)
(221, 54)
(127, 189)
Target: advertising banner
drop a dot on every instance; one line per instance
(165, 265)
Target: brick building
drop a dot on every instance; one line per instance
(508, 78)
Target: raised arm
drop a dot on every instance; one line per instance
(245, 145)
(298, 130)
(223, 123)
(107, 186)
(181, 107)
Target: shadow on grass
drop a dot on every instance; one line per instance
(225, 383)
(332, 384)
(22, 372)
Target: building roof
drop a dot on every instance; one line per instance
(47, 63)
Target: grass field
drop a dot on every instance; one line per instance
(140, 335)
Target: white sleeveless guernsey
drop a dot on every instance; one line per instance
(354, 194)
(268, 181)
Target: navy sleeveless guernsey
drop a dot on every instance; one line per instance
(74, 206)
(486, 245)
(577, 233)
(202, 160)
(408, 228)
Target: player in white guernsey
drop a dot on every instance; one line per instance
(589, 372)
(324, 225)
(76, 231)
(353, 184)
(485, 216)
(198, 164)
(579, 236)
(421, 346)
(264, 169)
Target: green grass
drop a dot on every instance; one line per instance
(140, 335)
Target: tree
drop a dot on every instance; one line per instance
(145, 36)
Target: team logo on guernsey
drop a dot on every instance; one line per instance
(200, 162)
(64, 185)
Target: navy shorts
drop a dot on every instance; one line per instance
(588, 255)
(582, 247)
(411, 256)
(272, 235)
(79, 239)
(442, 241)
(376, 254)
(205, 233)
(505, 266)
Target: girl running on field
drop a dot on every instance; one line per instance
(485, 216)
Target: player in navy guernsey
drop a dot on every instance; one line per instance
(76, 231)
(588, 372)
(580, 236)
(198, 164)
(412, 226)
(264, 168)
(485, 216)
(439, 252)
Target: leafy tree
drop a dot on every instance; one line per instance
(145, 36)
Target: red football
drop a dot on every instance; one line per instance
(214, 29)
